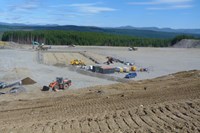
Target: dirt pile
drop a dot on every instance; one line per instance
(28, 81)
(166, 104)
(188, 43)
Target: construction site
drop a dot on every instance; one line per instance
(98, 89)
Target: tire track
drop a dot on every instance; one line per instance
(160, 122)
(165, 117)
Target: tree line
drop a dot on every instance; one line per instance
(58, 37)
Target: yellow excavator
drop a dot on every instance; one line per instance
(77, 62)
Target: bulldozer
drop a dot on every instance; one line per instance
(60, 84)
(77, 62)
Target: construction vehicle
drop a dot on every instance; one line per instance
(77, 62)
(60, 84)
(131, 75)
(132, 49)
(40, 46)
(109, 60)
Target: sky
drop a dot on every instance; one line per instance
(103, 13)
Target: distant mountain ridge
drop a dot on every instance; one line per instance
(191, 31)
(146, 32)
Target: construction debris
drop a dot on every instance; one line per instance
(18, 89)
(4, 85)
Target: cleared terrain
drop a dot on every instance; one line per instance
(167, 103)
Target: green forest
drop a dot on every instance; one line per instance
(55, 37)
(58, 37)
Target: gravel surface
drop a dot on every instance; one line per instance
(18, 64)
(166, 105)
(160, 61)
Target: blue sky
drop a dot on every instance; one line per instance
(103, 13)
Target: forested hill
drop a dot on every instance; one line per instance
(62, 37)
(117, 31)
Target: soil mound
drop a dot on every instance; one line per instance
(188, 43)
(167, 104)
(28, 81)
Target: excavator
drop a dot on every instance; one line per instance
(60, 84)
(39, 46)
(77, 62)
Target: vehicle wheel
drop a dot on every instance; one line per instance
(66, 86)
(56, 88)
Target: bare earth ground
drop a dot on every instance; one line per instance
(166, 104)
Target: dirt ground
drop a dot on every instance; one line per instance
(166, 104)
(53, 58)
(169, 103)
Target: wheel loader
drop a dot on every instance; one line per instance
(60, 84)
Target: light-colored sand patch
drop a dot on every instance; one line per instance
(49, 58)
(16, 74)
(64, 58)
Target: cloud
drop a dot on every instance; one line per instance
(172, 1)
(158, 2)
(91, 8)
(67, 14)
(57, 6)
(28, 5)
(171, 7)
(165, 4)
(13, 18)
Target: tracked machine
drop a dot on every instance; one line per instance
(40, 46)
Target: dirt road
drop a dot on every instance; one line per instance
(166, 104)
